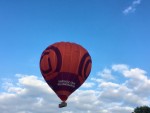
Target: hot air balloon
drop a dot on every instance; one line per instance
(65, 66)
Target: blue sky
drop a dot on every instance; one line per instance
(115, 32)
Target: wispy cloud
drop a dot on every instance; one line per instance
(132, 7)
(30, 94)
(106, 74)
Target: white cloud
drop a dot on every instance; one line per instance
(132, 7)
(106, 74)
(108, 85)
(135, 73)
(88, 85)
(97, 80)
(119, 67)
(119, 109)
(136, 2)
(67, 112)
(129, 9)
(30, 94)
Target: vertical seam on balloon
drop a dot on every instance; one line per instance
(76, 77)
(68, 63)
(70, 66)
(62, 73)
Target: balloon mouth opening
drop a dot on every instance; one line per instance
(63, 97)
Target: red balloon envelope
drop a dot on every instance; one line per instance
(65, 66)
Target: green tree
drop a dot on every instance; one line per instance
(142, 109)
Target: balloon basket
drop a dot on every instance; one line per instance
(62, 104)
